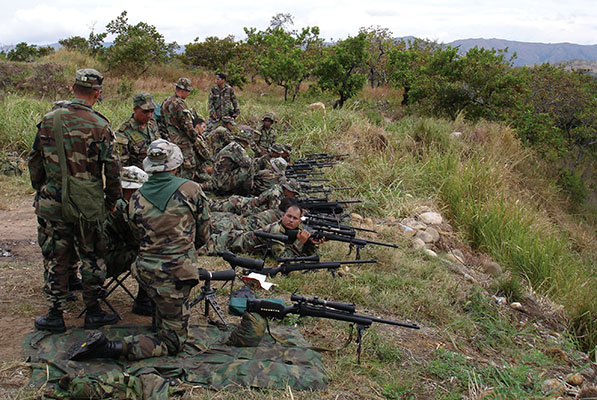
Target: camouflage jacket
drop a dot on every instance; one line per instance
(88, 142)
(132, 141)
(233, 170)
(293, 249)
(264, 139)
(222, 102)
(218, 139)
(121, 243)
(168, 238)
(178, 121)
(270, 199)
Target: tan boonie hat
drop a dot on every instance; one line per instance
(184, 84)
(144, 101)
(162, 156)
(132, 177)
(278, 164)
(89, 77)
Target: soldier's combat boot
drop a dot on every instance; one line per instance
(97, 317)
(142, 304)
(53, 321)
(96, 345)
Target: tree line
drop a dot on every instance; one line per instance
(553, 109)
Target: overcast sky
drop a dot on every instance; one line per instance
(547, 21)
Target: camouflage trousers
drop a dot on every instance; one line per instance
(233, 240)
(60, 243)
(172, 318)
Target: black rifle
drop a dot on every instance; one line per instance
(322, 189)
(324, 156)
(322, 205)
(313, 307)
(209, 294)
(315, 220)
(353, 241)
(286, 268)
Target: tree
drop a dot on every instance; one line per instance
(338, 71)
(380, 41)
(136, 47)
(213, 53)
(28, 52)
(75, 43)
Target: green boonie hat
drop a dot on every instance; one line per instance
(144, 101)
(132, 177)
(89, 77)
(244, 136)
(162, 156)
(291, 184)
(228, 120)
(184, 84)
(269, 115)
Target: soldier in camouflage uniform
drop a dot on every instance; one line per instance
(266, 177)
(219, 138)
(221, 102)
(121, 242)
(266, 136)
(135, 134)
(88, 144)
(178, 121)
(172, 218)
(233, 167)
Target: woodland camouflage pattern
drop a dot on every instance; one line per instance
(218, 139)
(178, 122)
(166, 266)
(221, 103)
(133, 140)
(233, 170)
(88, 142)
(205, 361)
(269, 199)
(226, 221)
(121, 244)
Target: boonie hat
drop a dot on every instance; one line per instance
(278, 164)
(184, 84)
(132, 177)
(162, 156)
(291, 184)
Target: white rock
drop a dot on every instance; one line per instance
(433, 232)
(407, 230)
(431, 218)
(424, 236)
(430, 253)
(455, 135)
(458, 254)
(552, 386)
(517, 306)
(418, 244)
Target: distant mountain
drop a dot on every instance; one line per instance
(532, 53)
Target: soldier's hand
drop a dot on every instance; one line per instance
(234, 116)
(302, 236)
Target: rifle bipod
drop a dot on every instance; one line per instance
(209, 295)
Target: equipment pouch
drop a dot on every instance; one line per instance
(83, 199)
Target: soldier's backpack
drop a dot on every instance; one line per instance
(82, 199)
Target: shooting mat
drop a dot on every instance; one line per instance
(205, 361)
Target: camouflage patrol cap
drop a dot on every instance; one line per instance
(269, 115)
(228, 120)
(278, 164)
(184, 84)
(162, 156)
(144, 101)
(291, 184)
(277, 148)
(132, 177)
(89, 77)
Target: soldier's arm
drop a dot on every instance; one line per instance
(202, 220)
(112, 189)
(121, 148)
(37, 172)
(234, 101)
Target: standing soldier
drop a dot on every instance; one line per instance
(70, 158)
(221, 102)
(135, 134)
(172, 219)
(178, 121)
